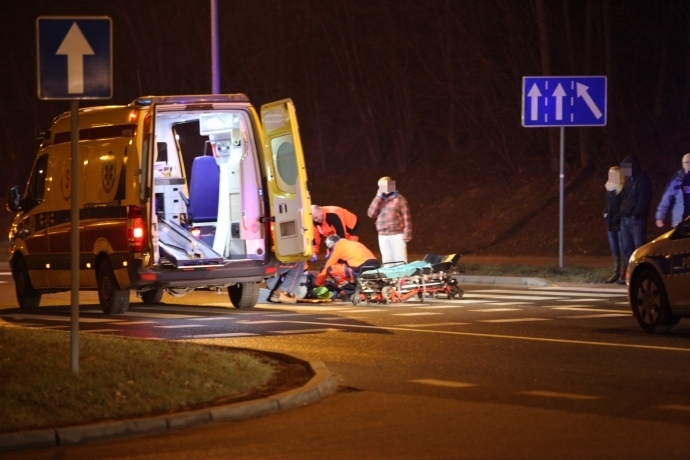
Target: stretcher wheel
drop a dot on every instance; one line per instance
(356, 296)
(455, 292)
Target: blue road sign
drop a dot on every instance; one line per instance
(563, 101)
(74, 57)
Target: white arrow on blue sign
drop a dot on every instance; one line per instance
(74, 57)
(563, 101)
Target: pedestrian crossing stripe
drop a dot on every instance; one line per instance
(512, 320)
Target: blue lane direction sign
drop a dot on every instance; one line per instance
(563, 101)
(74, 57)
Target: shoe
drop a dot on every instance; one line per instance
(275, 298)
(284, 297)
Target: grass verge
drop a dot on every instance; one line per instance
(570, 274)
(118, 377)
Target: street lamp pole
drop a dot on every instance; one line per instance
(215, 61)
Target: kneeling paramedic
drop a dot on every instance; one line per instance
(347, 259)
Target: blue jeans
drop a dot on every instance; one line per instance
(633, 235)
(615, 243)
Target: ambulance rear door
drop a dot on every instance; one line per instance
(288, 195)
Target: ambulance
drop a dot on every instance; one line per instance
(175, 193)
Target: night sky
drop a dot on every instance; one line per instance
(393, 81)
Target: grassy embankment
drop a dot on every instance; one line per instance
(117, 378)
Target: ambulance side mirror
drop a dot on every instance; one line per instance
(14, 199)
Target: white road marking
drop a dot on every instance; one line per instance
(377, 310)
(492, 310)
(302, 307)
(221, 335)
(613, 290)
(306, 331)
(432, 324)
(580, 300)
(134, 323)
(604, 315)
(258, 321)
(472, 295)
(555, 292)
(504, 304)
(158, 315)
(280, 315)
(600, 310)
(512, 337)
(333, 318)
(179, 326)
(514, 320)
(59, 318)
(466, 301)
(214, 318)
(416, 314)
(553, 394)
(444, 383)
(442, 306)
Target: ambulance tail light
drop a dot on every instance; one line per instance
(135, 229)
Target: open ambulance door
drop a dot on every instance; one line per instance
(288, 196)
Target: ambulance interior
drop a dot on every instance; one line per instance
(207, 189)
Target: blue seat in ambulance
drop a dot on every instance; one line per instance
(203, 191)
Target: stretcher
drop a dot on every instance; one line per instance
(430, 277)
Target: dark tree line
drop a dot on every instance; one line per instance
(394, 82)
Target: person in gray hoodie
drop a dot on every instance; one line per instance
(634, 208)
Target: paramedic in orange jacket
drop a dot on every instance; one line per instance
(332, 220)
(345, 256)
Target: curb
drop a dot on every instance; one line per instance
(512, 280)
(322, 384)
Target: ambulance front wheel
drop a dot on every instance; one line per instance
(28, 297)
(244, 295)
(113, 299)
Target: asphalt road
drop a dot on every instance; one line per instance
(504, 372)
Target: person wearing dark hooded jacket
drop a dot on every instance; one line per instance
(614, 187)
(634, 208)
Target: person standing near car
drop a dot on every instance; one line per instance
(672, 201)
(634, 211)
(393, 221)
(612, 217)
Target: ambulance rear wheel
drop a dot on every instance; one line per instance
(113, 299)
(28, 297)
(244, 295)
(152, 296)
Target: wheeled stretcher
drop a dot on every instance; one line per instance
(430, 277)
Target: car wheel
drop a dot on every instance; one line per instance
(650, 303)
(28, 297)
(244, 295)
(152, 296)
(113, 299)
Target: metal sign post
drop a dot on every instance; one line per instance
(559, 102)
(74, 61)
